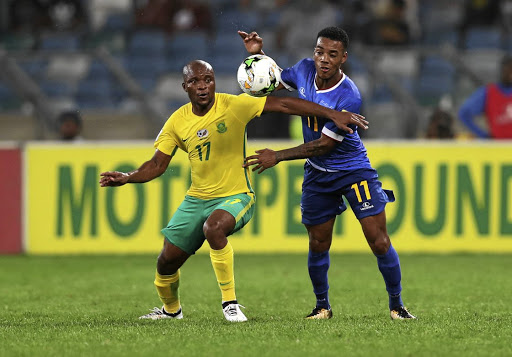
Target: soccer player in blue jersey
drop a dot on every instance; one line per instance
(336, 166)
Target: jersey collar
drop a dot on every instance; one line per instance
(332, 88)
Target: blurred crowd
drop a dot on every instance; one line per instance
(289, 29)
(375, 22)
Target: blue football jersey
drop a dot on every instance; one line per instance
(349, 153)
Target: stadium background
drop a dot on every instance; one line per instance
(121, 70)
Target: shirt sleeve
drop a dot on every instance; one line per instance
(471, 108)
(289, 76)
(246, 107)
(166, 141)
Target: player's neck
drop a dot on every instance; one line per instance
(323, 84)
(201, 110)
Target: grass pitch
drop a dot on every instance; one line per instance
(89, 306)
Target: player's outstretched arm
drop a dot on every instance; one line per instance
(146, 172)
(267, 158)
(303, 107)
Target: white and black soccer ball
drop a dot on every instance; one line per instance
(258, 75)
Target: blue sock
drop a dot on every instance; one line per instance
(318, 265)
(389, 266)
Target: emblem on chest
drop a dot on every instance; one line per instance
(221, 127)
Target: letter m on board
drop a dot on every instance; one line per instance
(75, 201)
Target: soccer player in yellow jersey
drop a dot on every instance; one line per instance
(220, 201)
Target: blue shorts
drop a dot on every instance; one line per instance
(322, 194)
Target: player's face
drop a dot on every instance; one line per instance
(329, 55)
(199, 83)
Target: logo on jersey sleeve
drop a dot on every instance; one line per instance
(221, 127)
(203, 133)
(302, 92)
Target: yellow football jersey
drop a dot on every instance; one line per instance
(215, 144)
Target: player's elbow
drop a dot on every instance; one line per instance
(160, 170)
(157, 168)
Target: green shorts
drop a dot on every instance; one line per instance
(185, 229)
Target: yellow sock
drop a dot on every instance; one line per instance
(223, 262)
(167, 288)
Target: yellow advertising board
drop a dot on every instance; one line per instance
(450, 197)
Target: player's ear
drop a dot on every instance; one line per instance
(183, 86)
(344, 57)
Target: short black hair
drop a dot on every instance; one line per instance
(71, 115)
(336, 34)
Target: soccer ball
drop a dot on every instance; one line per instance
(258, 75)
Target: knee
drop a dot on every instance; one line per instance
(165, 265)
(319, 244)
(380, 245)
(211, 229)
(215, 235)
(163, 260)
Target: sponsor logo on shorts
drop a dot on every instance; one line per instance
(366, 205)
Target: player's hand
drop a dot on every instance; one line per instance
(252, 41)
(263, 160)
(113, 178)
(343, 119)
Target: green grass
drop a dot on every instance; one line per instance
(89, 305)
